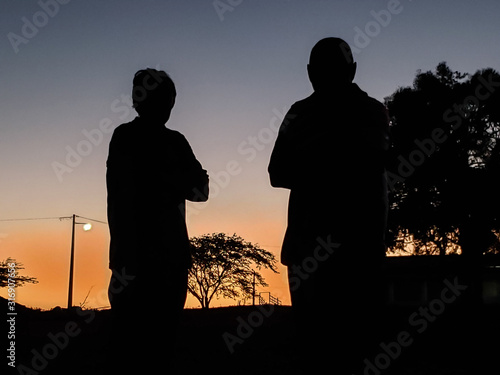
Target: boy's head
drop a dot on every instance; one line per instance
(331, 64)
(153, 94)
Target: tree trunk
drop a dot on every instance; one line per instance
(206, 303)
(442, 249)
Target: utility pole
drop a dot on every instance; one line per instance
(86, 227)
(71, 265)
(253, 293)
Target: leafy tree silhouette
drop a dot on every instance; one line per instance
(222, 266)
(444, 169)
(19, 280)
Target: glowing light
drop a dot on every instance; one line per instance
(87, 227)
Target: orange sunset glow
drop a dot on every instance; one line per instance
(68, 86)
(43, 246)
(175, 173)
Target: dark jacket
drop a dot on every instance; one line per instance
(330, 153)
(151, 171)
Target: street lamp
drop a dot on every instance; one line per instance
(86, 227)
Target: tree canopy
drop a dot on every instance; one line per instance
(226, 266)
(444, 165)
(11, 266)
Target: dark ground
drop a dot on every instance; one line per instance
(460, 341)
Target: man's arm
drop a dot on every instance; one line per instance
(281, 166)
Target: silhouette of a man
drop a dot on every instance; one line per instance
(151, 171)
(330, 153)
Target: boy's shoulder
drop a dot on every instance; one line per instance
(135, 128)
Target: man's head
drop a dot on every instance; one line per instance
(331, 64)
(153, 94)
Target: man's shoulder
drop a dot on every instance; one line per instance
(368, 101)
(302, 105)
(377, 111)
(304, 102)
(356, 95)
(375, 104)
(367, 107)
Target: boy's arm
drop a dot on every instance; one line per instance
(194, 185)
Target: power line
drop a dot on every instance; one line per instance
(33, 218)
(87, 218)
(53, 218)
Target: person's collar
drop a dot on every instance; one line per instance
(337, 90)
(150, 122)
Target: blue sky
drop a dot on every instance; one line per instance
(236, 73)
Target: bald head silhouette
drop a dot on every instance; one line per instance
(331, 65)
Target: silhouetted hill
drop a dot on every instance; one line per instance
(248, 340)
(4, 304)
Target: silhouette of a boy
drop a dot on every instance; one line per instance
(151, 171)
(330, 153)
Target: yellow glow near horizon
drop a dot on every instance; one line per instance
(44, 250)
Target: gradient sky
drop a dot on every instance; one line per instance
(236, 73)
